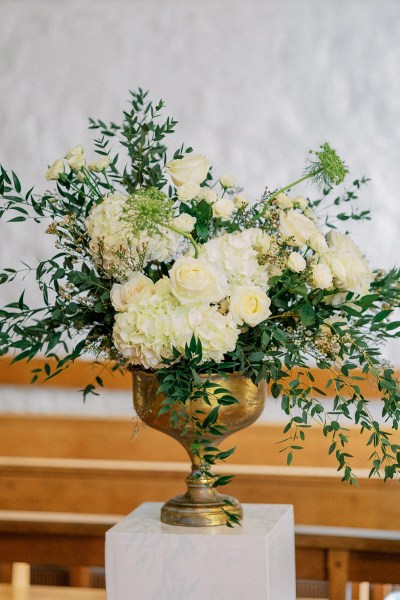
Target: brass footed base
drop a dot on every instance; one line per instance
(178, 511)
(201, 506)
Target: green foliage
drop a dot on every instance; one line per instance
(142, 136)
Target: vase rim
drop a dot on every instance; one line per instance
(150, 374)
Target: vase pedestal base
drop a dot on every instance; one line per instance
(201, 505)
(148, 559)
(181, 511)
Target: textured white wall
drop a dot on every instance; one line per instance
(254, 84)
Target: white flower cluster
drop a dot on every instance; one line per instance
(337, 262)
(350, 269)
(76, 160)
(224, 288)
(198, 298)
(117, 250)
(152, 321)
(189, 172)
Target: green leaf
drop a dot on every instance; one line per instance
(307, 314)
(222, 480)
(16, 220)
(17, 184)
(211, 418)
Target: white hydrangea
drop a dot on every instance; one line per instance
(149, 330)
(114, 247)
(218, 333)
(143, 333)
(237, 255)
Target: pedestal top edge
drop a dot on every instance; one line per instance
(259, 520)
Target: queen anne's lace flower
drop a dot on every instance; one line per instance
(117, 250)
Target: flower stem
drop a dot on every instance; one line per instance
(186, 235)
(286, 187)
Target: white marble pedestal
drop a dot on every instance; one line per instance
(148, 560)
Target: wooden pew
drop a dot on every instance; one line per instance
(94, 465)
(100, 486)
(329, 554)
(82, 465)
(127, 439)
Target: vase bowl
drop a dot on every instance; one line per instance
(201, 505)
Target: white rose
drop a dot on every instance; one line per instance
(80, 176)
(338, 270)
(240, 201)
(227, 181)
(250, 305)
(283, 201)
(188, 191)
(300, 202)
(162, 287)
(321, 276)
(318, 243)
(223, 208)
(296, 262)
(310, 214)
(348, 264)
(100, 164)
(194, 281)
(296, 228)
(208, 195)
(261, 242)
(76, 158)
(55, 170)
(192, 168)
(137, 288)
(75, 151)
(184, 222)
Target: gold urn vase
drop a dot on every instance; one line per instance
(201, 505)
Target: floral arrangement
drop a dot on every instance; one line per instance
(160, 266)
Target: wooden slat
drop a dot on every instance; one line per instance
(39, 592)
(82, 372)
(123, 439)
(120, 486)
(338, 569)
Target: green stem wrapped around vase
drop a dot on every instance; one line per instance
(201, 505)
